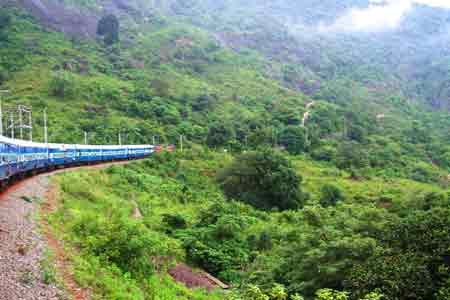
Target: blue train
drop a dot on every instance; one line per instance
(18, 157)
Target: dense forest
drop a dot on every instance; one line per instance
(316, 162)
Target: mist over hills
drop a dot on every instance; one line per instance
(318, 40)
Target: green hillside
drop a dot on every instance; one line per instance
(352, 205)
(167, 79)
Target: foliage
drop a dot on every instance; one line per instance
(108, 27)
(5, 20)
(331, 195)
(414, 251)
(175, 221)
(219, 134)
(63, 85)
(328, 294)
(116, 254)
(264, 179)
(220, 74)
(293, 138)
(217, 245)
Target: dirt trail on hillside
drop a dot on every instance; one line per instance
(307, 113)
(24, 239)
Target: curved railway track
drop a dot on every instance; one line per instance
(24, 240)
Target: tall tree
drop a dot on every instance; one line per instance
(108, 28)
(265, 179)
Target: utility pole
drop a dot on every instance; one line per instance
(1, 119)
(45, 127)
(85, 138)
(11, 116)
(120, 139)
(154, 140)
(20, 122)
(181, 143)
(1, 110)
(30, 120)
(21, 110)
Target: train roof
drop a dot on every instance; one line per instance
(22, 143)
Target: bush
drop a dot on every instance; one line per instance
(5, 20)
(220, 134)
(331, 195)
(108, 27)
(325, 153)
(3, 75)
(119, 240)
(264, 179)
(63, 85)
(352, 155)
(175, 221)
(293, 138)
(265, 241)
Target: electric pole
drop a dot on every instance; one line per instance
(20, 122)
(1, 110)
(181, 143)
(11, 116)
(27, 110)
(85, 138)
(30, 120)
(120, 139)
(45, 127)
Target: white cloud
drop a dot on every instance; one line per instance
(435, 3)
(380, 15)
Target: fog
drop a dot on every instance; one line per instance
(380, 15)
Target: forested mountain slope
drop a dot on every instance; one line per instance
(316, 156)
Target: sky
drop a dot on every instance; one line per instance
(379, 17)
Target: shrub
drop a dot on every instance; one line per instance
(5, 20)
(63, 85)
(265, 241)
(265, 179)
(331, 194)
(119, 240)
(293, 138)
(325, 153)
(175, 221)
(3, 75)
(108, 27)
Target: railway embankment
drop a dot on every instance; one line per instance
(32, 260)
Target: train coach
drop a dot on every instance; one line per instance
(18, 157)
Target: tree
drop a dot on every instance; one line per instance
(160, 87)
(63, 85)
(351, 155)
(331, 195)
(265, 241)
(5, 20)
(293, 138)
(219, 134)
(356, 133)
(414, 260)
(3, 75)
(265, 179)
(203, 102)
(108, 28)
(397, 275)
